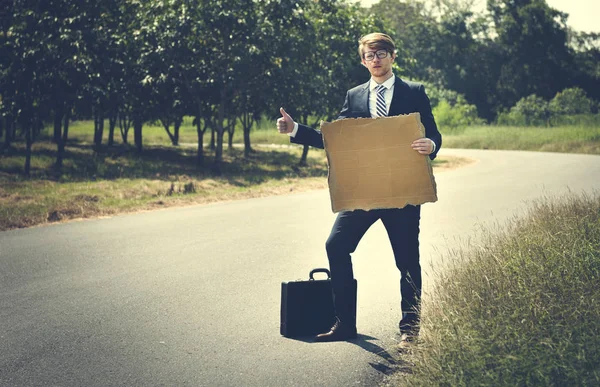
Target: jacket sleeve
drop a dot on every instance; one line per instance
(313, 137)
(431, 130)
(308, 136)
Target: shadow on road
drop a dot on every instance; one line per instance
(389, 363)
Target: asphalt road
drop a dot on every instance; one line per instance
(190, 296)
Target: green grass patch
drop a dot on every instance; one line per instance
(118, 179)
(153, 133)
(520, 308)
(568, 139)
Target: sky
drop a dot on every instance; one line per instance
(583, 14)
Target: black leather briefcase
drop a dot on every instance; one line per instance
(307, 306)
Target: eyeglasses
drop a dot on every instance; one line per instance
(381, 54)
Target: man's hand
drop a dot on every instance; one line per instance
(423, 145)
(285, 124)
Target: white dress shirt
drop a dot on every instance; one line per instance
(388, 94)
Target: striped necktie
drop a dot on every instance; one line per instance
(381, 107)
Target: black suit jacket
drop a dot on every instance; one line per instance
(409, 97)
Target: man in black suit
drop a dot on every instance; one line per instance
(383, 95)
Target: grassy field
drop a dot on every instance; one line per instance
(567, 139)
(117, 179)
(155, 134)
(521, 308)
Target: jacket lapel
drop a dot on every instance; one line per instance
(399, 100)
(361, 109)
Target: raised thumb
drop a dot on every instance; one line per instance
(285, 115)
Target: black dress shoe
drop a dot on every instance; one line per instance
(339, 332)
(407, 342)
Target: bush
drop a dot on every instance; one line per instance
(437, 94)
(570, 102)
(457, 116)
(585, 120)
(531, 110)
(569, 107)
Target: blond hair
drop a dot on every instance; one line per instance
(376, 41)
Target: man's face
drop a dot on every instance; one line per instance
(378, 67)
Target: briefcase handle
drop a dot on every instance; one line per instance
(320, 270)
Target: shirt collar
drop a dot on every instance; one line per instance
(388, 83)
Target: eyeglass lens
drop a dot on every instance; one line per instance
(381, 54)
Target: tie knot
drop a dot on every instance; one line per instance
(380, 88)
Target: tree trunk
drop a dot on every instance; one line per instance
(219, 150)
(8, 131)
(60, 153)
(230, 132)
(137, 133)
(124, 125)
(247, 147)
(220, 131)
(176, 125)
(65, 135)
(58, 116)
(166, 122)
(98, 128)
(212, 137)
(3, 130)
(304, 156)
(112, 122)
(28, 142)
(247, 123)
(200, 131)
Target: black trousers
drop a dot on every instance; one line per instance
(402, 225)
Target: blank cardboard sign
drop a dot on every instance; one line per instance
(372, 165)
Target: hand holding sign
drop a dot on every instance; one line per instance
(423, 145)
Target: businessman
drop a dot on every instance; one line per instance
(383, 95)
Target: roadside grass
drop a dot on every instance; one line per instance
(118, 179)
(154, 133)
(520, 308)
(566, 139)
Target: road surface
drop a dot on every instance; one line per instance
(191, 296)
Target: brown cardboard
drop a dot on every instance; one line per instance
(372, 165)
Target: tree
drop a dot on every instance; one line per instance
(7, 128)
(535, 56)
(319, 61)
(413, 26)
(445, 44)
(230, 27)
(586, 68)
(27, 72)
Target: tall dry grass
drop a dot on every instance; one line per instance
(520, 308)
